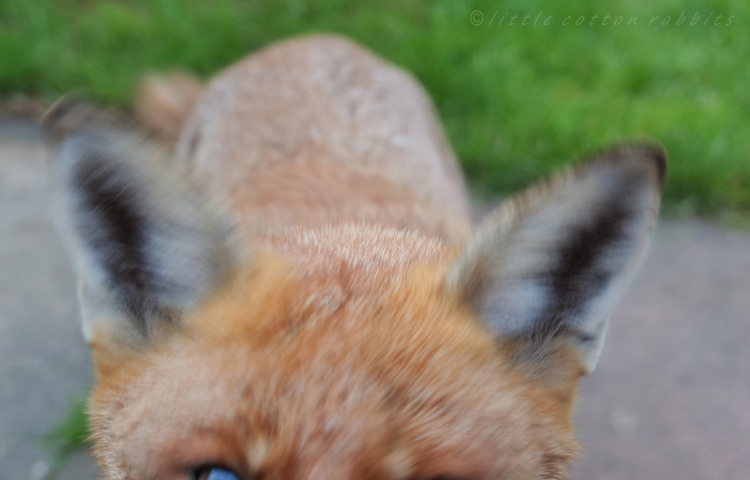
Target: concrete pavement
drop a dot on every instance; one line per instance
(43, 358)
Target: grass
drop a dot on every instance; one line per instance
(70, 435)
(516, 100)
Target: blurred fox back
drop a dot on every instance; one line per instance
(318, 130)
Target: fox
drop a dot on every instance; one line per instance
(291, 286)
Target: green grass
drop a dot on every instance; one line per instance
(516, 100)
(70, 435)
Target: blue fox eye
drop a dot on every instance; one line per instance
(214, 473)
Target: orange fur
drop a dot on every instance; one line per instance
(335, 348)
(164, 102)
(318, 130)
(334, 392)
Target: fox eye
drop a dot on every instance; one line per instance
(444, 477)
(214, 473)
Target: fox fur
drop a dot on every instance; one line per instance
(299, 292)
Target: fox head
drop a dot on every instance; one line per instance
(349, 350)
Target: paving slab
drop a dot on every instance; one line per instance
(43, 358)
(669, 400)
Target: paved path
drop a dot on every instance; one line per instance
(43, 359)
(670, 399)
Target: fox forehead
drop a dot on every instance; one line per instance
(351, 361)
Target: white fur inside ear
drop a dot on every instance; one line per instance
(148, 245)
(592, 350)
(554, 260)
(508, 306)
(99, 315)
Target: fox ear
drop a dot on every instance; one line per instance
(147, 245)
(551, 262)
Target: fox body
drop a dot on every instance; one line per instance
(300, 295)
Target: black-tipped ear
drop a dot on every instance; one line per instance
(148, 246)
(553, 260)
